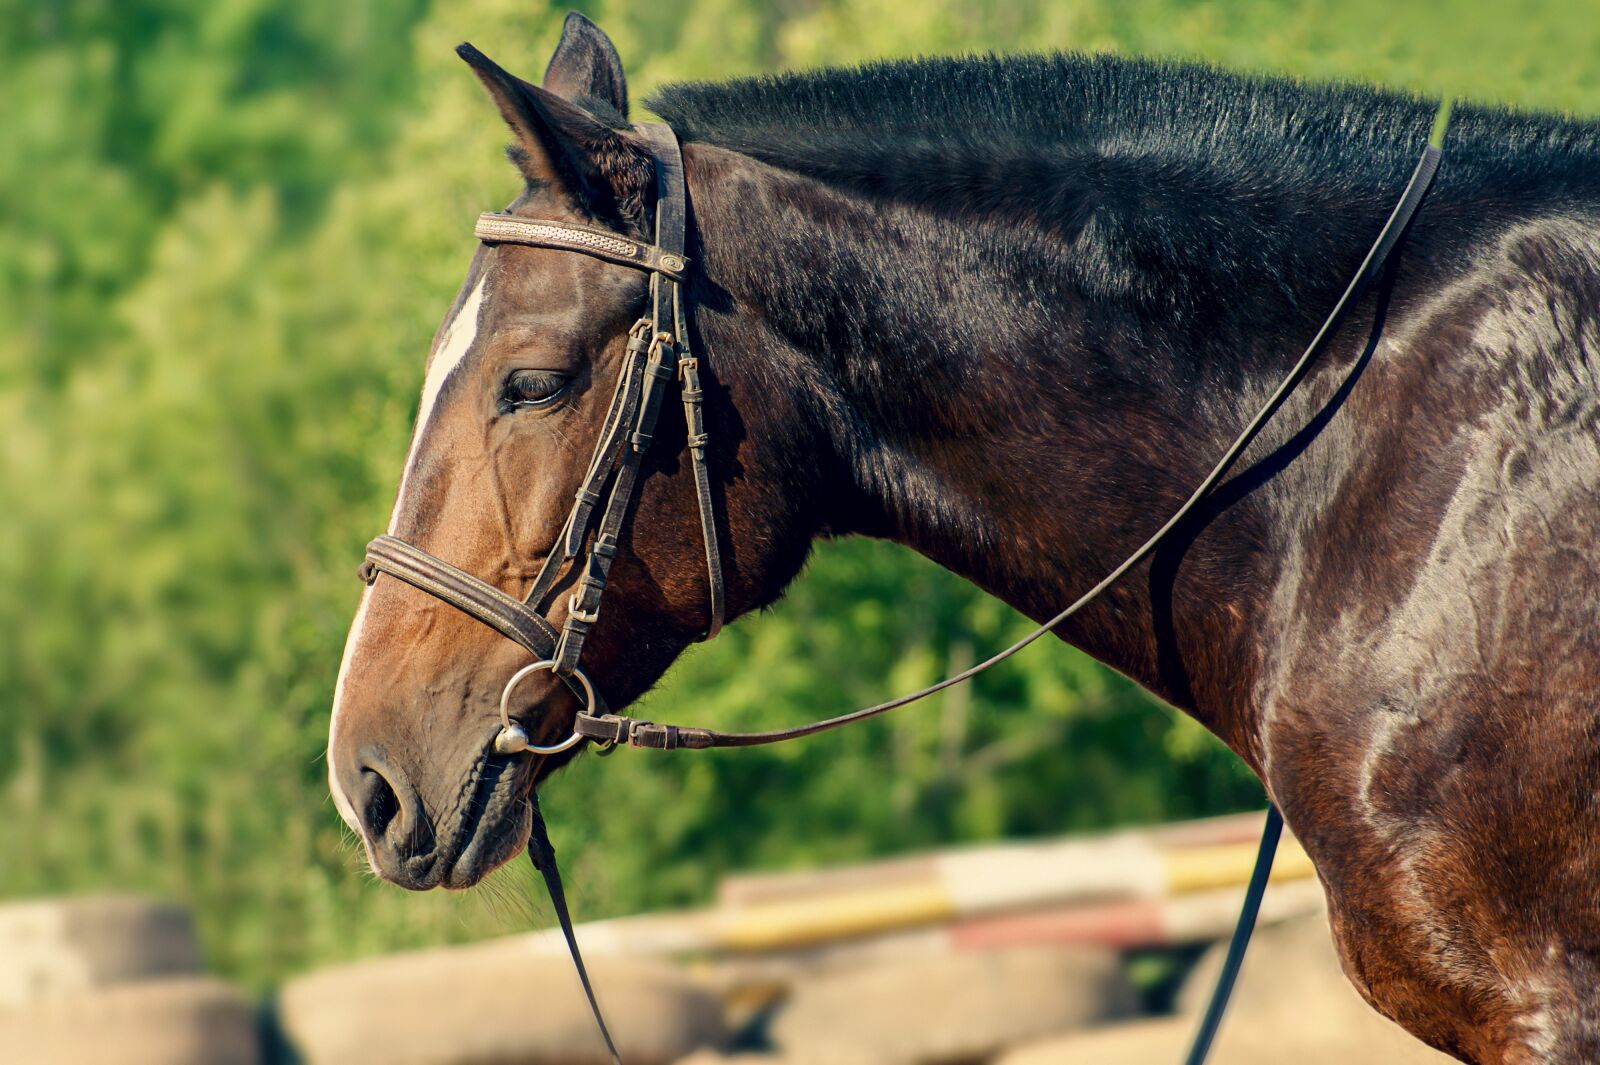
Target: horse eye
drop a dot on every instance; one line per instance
(532, 388)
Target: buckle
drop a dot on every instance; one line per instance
(661, 339)
(577, 613)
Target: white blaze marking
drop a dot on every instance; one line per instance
(341, 801)
(457, 341)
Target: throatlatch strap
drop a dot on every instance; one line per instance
(694, 420)
(543, 856)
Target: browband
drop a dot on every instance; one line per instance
(494, 228)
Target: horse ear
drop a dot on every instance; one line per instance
(586, 68)
(603, 172)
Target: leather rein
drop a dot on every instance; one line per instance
(658, 353)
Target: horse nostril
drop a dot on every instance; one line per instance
(379, 804)
(393, 820)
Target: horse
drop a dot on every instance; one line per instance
(1005, 311)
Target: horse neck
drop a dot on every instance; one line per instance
(971, 401)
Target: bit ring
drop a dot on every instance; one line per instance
(513, 738)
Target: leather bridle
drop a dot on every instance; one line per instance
(658, 353)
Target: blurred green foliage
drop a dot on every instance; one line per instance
(227, 230)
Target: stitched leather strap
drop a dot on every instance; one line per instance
(493, 228)
(694, 418)
(610, 729)
(510, 617)
(672, 218)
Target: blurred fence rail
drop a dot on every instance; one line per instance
(961, 955)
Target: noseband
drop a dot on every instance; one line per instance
(658, 353)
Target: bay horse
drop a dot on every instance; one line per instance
(1006, 311)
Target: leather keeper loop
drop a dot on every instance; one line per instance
(602, 728)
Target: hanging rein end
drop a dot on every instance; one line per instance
(542, 855)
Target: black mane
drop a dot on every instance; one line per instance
(1209, 172)
(854, 125)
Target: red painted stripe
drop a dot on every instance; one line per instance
(1235, 828)
(1111, 924)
